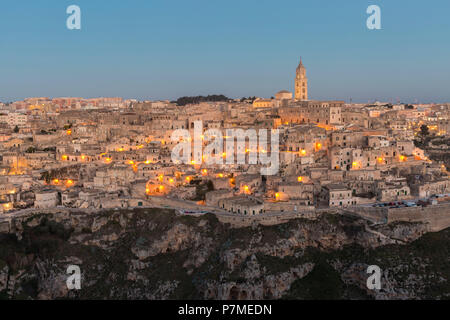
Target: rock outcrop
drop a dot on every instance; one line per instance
(155, 254)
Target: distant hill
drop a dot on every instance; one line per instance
(192, 100)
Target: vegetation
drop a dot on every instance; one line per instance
(420, 267)
(201, 189)
(197, 99)
(249, 98)
(424, 131)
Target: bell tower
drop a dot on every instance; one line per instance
(301, 82)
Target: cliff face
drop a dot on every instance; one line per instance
(154, 254)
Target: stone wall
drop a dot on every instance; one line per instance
(237, 221)
(437, 217)
(376, 215)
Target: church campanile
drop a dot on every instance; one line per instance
(301, 83)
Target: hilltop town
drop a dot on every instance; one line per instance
(382, 161)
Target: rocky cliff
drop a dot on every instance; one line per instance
(155, 254)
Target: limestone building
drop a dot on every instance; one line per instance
(319, 112)
(301, 83)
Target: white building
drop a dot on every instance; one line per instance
(46, 199)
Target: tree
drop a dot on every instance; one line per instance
(16, 129)
(424, 131)
(197, 99)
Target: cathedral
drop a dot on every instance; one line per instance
(301, 83)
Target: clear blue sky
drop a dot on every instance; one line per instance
(163, 49)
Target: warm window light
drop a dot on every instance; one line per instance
(204, 171)
(300, 179)
(147, 190)
(69, 182)
(64, 157)
(403, 158)
(160, 177)
(303, 152)
(171, 180)
(131, 162)
(318, 146)
(120, 149)
(83, 157)
(147, 162)
(277, 195)
(224, 154)
(188, 179)
(246, 188)
(108, 159)
(55, 181)
(220, 175)
(69, 132)
(380, 159)
(193, 162)
(354, 164)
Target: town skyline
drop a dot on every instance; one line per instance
(242, 150)
(390, 100)
(165, 52)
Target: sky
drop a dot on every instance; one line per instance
(164, 49)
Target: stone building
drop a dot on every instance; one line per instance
(242, 205)
(337, 195)
(427, 189)
(296, 191)
(46, 199)
(319, 112)
(301, 83)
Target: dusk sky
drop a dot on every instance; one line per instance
(162, 49)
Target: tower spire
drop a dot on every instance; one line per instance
(301, 82)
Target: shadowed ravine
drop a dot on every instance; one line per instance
(155, 254)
